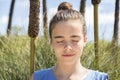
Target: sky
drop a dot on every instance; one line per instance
(21, 16)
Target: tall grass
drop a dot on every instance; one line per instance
(14, 57)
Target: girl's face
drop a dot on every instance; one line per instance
(68, 41)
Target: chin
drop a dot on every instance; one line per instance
(69, 62)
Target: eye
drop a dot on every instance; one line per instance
(75, 41)
(59, 41)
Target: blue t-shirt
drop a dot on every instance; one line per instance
(48, 74)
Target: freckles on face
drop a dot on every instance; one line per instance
(67, 33)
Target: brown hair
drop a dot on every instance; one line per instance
(65, 14)
(64, 6)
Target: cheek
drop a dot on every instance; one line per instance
(56, 48)
(79, 46)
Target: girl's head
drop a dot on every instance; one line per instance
(67, 34)
(66, 13)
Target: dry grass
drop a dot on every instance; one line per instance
(14, 57)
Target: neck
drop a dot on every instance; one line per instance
(66, 70)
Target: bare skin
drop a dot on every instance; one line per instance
(70, 73)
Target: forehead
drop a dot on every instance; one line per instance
(71, 27)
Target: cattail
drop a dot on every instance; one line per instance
(96, 2)
(33, 30)
(34, 18)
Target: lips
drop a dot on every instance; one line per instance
(68, 55)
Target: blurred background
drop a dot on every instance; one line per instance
(15, 44)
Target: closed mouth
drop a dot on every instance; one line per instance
(68, 55)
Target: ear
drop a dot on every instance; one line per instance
(85, 40)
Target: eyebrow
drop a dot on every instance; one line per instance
(58, 37)
(73, 36)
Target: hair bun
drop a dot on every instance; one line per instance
(65, 6)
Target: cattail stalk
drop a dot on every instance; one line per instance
(116, 37)
(82, 7)
(45, 19)
(116, 25)
(96, 35)
(10, 18)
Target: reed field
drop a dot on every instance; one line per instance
(15, 57)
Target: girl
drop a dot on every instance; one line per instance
(68, 38)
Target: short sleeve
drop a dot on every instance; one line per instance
(44, 74)
(38, 74)
(102, 76)
(96, 75)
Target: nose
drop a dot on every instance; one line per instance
(68, 46)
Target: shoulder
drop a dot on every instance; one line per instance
(41, 74)
(99, 75)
